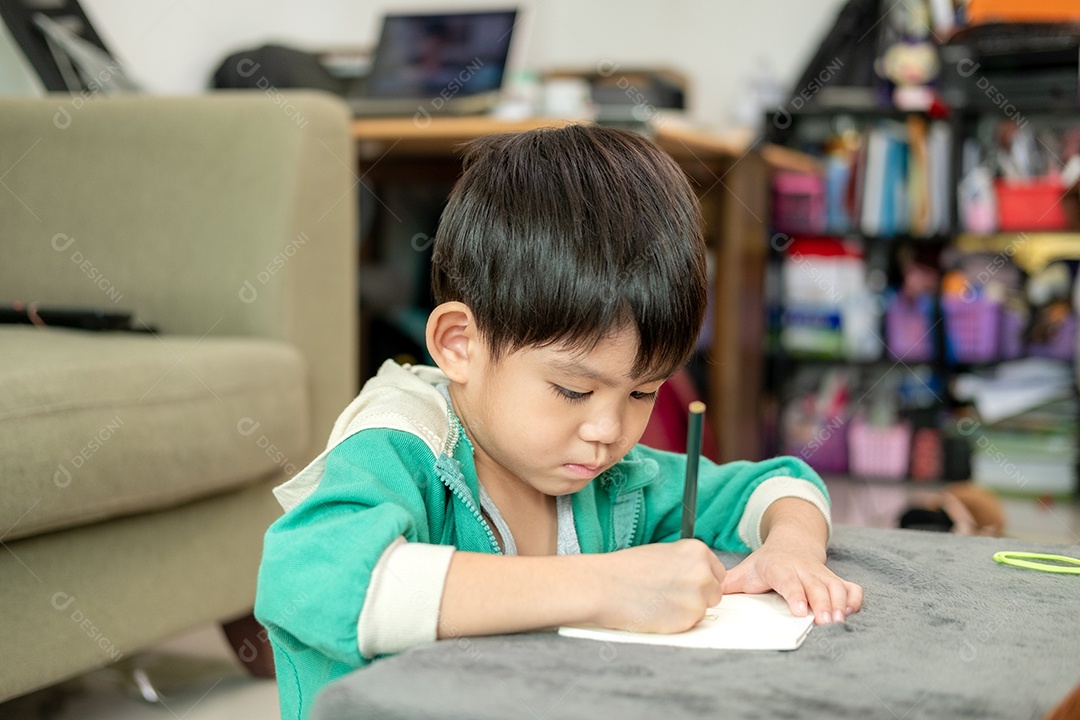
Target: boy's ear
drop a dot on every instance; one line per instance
(452, 339)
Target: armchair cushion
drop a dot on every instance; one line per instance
(101, 425)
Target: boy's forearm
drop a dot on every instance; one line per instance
(493, 594)
(795, 521)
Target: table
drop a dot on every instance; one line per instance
(731, 179)
(945, 632)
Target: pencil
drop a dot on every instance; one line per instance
(693, 459)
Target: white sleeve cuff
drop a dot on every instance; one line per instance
(401, 608)
(769, 492)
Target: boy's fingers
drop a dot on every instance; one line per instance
(716, 591)
(739, 579)
(790, 587)
(796, 601)
(830, 601)
(854, 597)
(733, 579)
(717, 567)
(821, 602)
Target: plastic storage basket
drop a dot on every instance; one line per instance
(972, 329)
(908, 329)
(927, 458)
(823, 445)
(1013, 324)
(1031, 205)
(879, 452)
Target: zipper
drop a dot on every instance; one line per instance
(634, 522)
(455, 489)
(617, 500)
(445, 457)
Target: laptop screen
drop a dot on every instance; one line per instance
(451, 54)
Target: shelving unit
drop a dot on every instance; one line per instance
(944, 415)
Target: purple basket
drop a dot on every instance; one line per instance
(1062, 346)
(908, 332)
(1012, 335)
(826, 450)
(972, 328)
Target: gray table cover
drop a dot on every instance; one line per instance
(945, 632)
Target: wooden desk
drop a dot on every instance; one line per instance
(731, 183)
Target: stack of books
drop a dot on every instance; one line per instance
(902, 174)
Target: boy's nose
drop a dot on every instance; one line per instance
(604, 430)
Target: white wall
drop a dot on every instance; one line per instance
(173, 47)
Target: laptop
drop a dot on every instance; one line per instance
(436, 64)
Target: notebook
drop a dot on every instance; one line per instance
(739, 622)
(445, 63)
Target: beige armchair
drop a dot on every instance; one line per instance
(136, 467)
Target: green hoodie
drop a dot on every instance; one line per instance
(385, 480)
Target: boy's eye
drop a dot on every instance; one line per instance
(646, 396)
(570, 395)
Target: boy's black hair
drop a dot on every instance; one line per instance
(566, 235)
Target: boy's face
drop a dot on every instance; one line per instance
(553, 418)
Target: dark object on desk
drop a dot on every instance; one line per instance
(1012, 65)
(944, 632)
(275, 66)
(79, 318)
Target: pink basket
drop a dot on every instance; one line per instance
(972, 329)
(798, 203)
(908, 333)
(880, 452)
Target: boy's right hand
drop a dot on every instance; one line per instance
(662, 587)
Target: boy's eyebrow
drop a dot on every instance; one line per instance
(579, 369)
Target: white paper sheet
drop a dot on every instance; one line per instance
(739, 622)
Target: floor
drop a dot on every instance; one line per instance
(880, 503)
(197, 677)
(1029, 519)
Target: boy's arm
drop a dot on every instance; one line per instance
(790, 521)
(791, 561)
(733, 498)
(777, 508)
(421, 592)
(318, 558)
(652, 588)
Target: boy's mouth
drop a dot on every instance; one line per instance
(584, 471)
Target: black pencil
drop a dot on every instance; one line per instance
(693, 459)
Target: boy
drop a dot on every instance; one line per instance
(503, 492)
